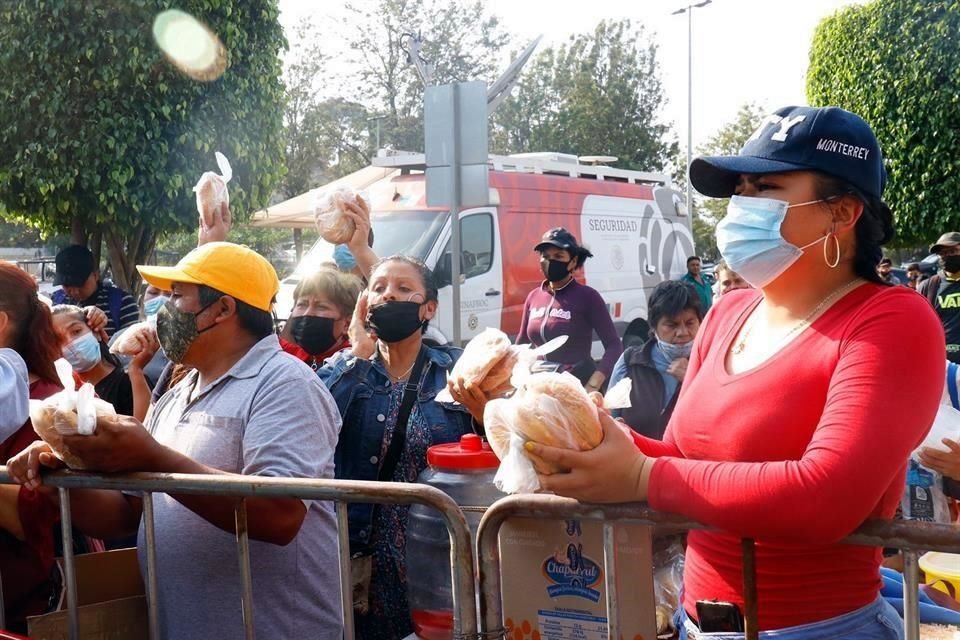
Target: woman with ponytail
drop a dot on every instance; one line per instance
(27, 518)
(790, 429)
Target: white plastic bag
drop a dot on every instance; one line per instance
(548, 408)
(211, 190)
(69, 412)
(946, 424)
(127, 343)
(333, 225)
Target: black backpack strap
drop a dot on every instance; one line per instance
(410, 392)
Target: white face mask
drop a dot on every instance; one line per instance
(750, 241)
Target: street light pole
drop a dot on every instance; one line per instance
(689, 11)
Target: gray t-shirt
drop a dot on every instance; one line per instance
(269, 415)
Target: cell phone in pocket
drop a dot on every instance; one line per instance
(715, 616)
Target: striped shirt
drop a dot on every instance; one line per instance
(127, 311)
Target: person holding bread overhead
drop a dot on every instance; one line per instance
(789, 429)
(561, 306)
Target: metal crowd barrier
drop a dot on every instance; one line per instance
(340, 492)
(911, 537)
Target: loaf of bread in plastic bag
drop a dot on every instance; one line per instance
(68, 413)
(212, 192)
(332, 223)
(551, 409)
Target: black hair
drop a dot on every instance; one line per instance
(670, 298)
(257, 322)
(692, 258)
(913, 266)
(426, 274)
(885, 261)
(873, 230)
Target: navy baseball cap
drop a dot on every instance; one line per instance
(74, 266)
(557, 237)
(826, 139)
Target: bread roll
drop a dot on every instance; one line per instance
(57, 416)
(497, 381)
(333, 224)
(482, 353)
(551, 409)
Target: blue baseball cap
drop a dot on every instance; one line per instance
(826, 139)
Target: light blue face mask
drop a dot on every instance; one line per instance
(750, 241)
(675, 351)
(344, 259)
(83, 353)
(153, 305)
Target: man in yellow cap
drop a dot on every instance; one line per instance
(246, 408)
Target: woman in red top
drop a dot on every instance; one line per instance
(322, 308)
(789, 429)
(27, 518)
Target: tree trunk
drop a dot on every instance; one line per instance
(96, 245)
(78, 231)
(298, 243)
(126, 251)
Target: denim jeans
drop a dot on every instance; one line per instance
(876, 621)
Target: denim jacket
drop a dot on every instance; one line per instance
(361, 390)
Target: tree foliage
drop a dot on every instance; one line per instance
(600, 93)
(894, 62)
(727, 141)
(459, 39)
(99, 134)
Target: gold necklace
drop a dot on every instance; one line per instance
(402, 376)
(741, 344)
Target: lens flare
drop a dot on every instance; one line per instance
(190, 45)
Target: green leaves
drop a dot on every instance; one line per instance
(97, 128)
(895, 62)
(598, 94)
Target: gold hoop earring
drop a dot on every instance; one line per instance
(836, 242)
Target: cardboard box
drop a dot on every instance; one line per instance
(553, 580)
(111, 597)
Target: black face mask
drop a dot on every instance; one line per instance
(950, 264)
(395, 321)
(554, 270)
(313, 334)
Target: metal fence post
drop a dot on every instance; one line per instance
(346, 578)
(246, 579)
(69, 570)
(911, 614)
(610, 573)
(150, 537)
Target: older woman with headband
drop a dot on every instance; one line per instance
(789, 429)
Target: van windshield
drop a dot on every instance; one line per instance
(409, 233)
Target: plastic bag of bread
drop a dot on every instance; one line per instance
(212, 192)
(487, 361)
(333, 224)
(549, 408)
(498, 366)
(129, 341)
(68, 413)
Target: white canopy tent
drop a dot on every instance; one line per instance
(297, 212)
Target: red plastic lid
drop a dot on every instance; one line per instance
(470, 453)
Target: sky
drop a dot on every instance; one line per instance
(743, 50)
